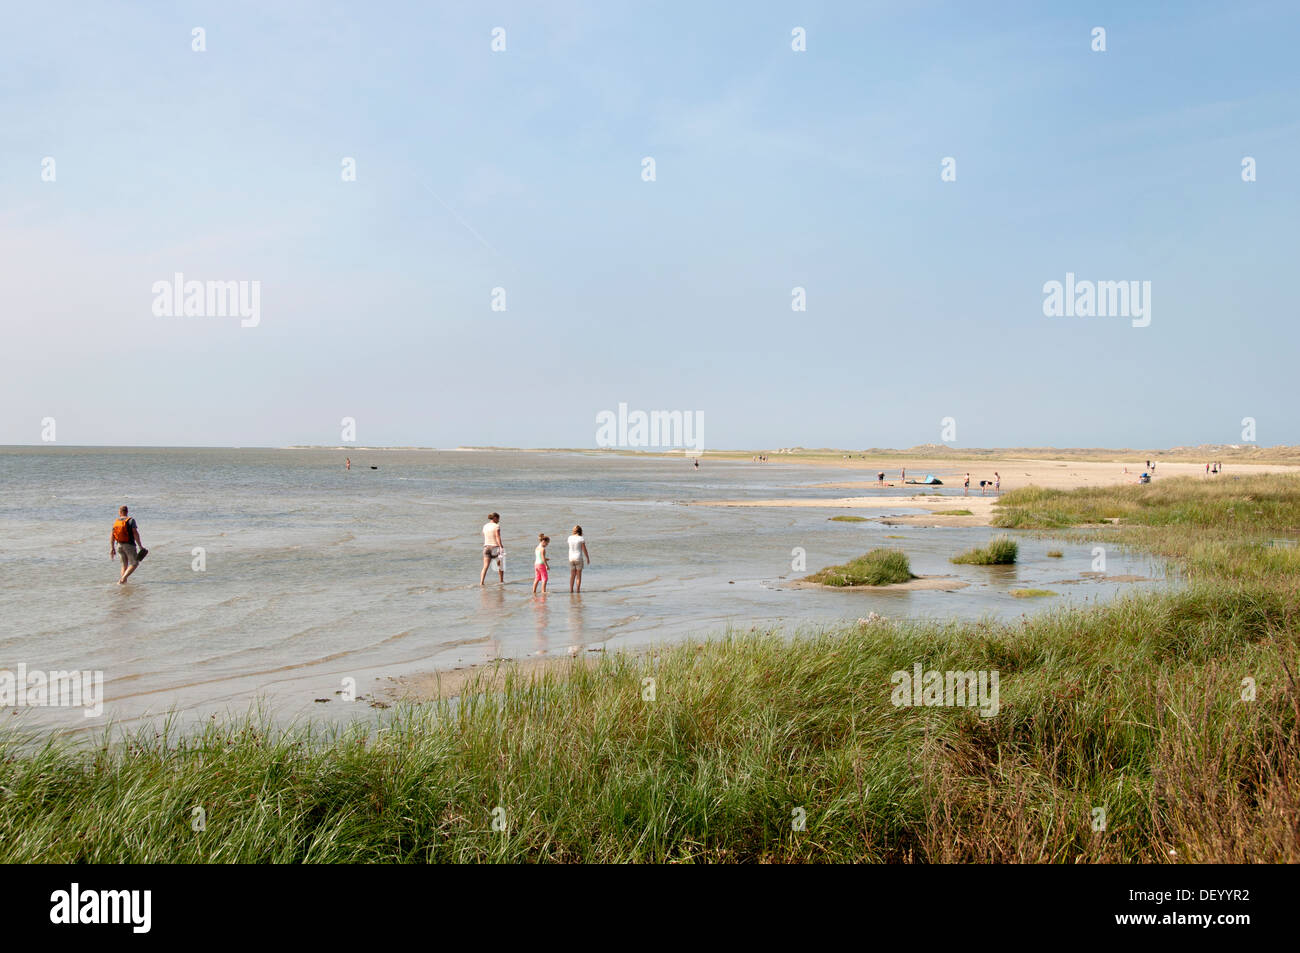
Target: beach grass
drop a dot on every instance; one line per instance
(951, 513)
(1175, 712)
(1055, 554)
(1000, 551)
(1032, 593)
(880, 567)
(848, 519)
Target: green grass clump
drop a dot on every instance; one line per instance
(1001, 551)
(951, 513)
(848, 519)
(880, 567)
(1032, 593)
(1055, 554)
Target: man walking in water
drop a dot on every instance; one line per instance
(125, 539)
(493, 548)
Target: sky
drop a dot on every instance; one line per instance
(523, 169)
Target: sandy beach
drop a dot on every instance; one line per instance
(1015, 473)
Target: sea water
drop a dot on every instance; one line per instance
(274, 575)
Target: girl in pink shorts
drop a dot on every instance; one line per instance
(541, 571)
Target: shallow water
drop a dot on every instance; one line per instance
(314, 573)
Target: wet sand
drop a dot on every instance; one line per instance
(919, 584)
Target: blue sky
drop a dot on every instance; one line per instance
(522, 169)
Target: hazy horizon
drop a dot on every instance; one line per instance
(343, 448)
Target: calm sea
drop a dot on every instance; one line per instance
(314, 574)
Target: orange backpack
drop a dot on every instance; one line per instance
(122, 530)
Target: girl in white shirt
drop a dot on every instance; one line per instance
(577, 553)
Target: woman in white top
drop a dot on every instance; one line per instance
(577, 553)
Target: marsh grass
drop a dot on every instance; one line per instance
(1000, 551)
(848, 519)
(880, 567)
(1031, 593)
(1136, 706)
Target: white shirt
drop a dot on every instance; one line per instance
(575, 547)
(490, 530)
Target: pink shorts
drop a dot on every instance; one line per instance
(541, 575)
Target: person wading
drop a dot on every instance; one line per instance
(577, 556)
(493, 548)
(125, 541)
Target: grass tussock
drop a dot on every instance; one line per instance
(951, 513)
(1176, 712)
(848, 519)
(1031, 593)
(1000, 551)
(880, 567)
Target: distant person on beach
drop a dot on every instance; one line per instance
(124, 541)
(880, 477)
(577, 554)
(348, 463)
(541, 567)
(997, 483)
(493, 547)
(902, 476)
(965, 487)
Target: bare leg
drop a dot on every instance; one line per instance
(572, 575)
(127, 575)
(487, 561)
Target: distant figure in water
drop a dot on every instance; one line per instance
(348, 464)
(124, 540)
(880, 477)
(577, 554)
(902, 476)
(697, 464)
(493, 548)
(997, 483)
(965, 487)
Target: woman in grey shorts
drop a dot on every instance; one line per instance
(577, 553)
